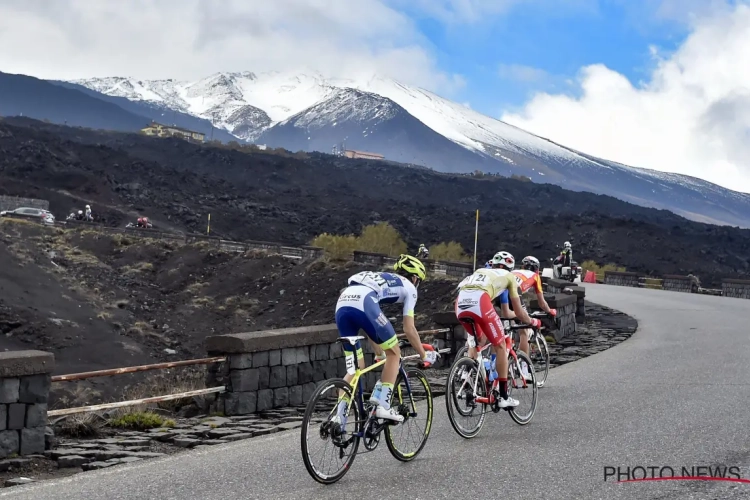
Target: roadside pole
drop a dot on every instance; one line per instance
(476, 237)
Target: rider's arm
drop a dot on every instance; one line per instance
(409, 328)
(413, 335)
(540, 295)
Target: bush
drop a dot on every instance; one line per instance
(381, 238)
(139, 421)
(378, 238)
(451, 251)
(592, 266)
(336, 247)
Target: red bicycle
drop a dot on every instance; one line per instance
(470, 393)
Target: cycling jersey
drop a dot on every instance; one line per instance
(528, 281)
(389, 287)
(491, 281)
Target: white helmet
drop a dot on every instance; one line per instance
(80, 212)
(567, 244)
(88, 206)
(504, 259)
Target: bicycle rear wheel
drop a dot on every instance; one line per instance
(407, 439)
(467, 421)
(321, 425)
(526, 393)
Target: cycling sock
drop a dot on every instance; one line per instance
(502, 385)
(385, 395)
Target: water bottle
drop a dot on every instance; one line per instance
(487, 366)
(493, 371)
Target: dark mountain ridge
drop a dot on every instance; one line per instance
(265, 196)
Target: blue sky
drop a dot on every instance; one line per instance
(508, 57)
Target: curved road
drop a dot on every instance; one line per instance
(675, 394)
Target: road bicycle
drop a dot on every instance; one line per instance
(469, 384)
(538, 348)
(411, 397)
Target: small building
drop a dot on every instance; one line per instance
(350, 153)
(158, 130)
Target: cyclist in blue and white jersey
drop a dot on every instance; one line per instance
(358, 308)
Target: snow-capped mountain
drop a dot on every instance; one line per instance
(310, 112)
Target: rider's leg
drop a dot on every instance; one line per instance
(493, 329)
(523, 344)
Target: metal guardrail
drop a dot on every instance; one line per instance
(134, 369)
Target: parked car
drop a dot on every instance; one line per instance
(37, 214)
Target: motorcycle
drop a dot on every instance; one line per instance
(567, 273)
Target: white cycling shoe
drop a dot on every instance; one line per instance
(507, 403)
(389, 414)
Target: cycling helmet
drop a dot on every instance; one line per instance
(567, 244)
(504, 259)
(411, 266)
(531, 263)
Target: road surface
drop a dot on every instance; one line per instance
(675, 394)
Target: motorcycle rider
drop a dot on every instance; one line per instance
(88, 213)
(422, 252)
(564, 259)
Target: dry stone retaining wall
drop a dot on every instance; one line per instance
(736, 288)
(675, 283)
(621, 278)
(277, 368)
(13, 202)
(24, 390)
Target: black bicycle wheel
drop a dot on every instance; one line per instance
(539, 354)
(406, 439)
(526, 393)
(468, 421)
(321, 425)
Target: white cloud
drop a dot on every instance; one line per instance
(186, 39)
(692, 117)
(521, 73)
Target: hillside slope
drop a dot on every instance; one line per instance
(272, 107)
(28, 96)
(269, 197)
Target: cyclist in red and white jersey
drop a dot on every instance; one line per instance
(476, 312)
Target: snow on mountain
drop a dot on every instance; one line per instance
(308, 111)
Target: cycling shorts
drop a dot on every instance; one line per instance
(358, 308)
(476, 313)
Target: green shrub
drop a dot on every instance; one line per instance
(592, 266)
(451, 251)
(377, 238)
(381, 238)
(336, 247)
(139, 421)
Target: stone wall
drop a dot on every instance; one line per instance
(12, 202)
(736, 288)
(24, 391)
(565, 321)
(675, 283)
(621, 278)
(277, 368)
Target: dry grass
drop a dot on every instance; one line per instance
(196, 287)
(104, 315)
(140, 267)
(201, 301)
(81, 425)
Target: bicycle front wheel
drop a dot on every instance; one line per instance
(330, 440)
(466, 415)
(539, 354)
(524, 391)
(412, 399)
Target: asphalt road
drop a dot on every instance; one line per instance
(675, 394)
